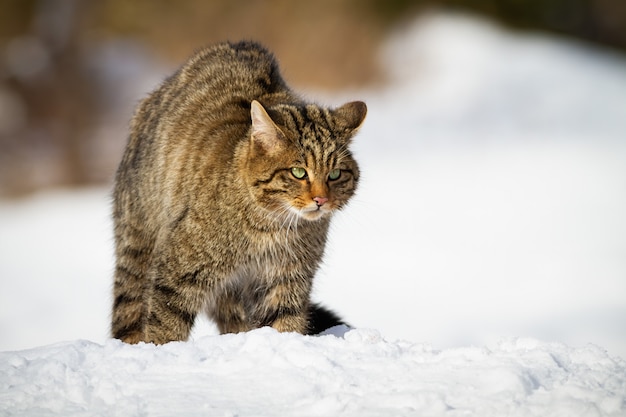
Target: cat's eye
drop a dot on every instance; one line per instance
(334, 174)
(298, 172)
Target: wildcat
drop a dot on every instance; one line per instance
(223, 199)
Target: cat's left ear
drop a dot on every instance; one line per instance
(350, 116)
(267, 138)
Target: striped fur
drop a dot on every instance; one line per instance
(208, 214)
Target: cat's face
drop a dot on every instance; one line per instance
(299, 163)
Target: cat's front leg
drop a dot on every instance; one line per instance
(285, 305)
(174, 301)
(228, 311)
(292, 322)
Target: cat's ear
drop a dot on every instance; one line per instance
(350, 116)
(267, 138)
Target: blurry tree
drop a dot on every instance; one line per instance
(599, 21)
(325, 43)
(46, 97)
(51, 103)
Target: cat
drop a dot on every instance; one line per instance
(223, 198)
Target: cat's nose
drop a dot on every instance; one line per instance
(320, 201)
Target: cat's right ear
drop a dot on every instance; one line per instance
(266, 137)
(351, 115)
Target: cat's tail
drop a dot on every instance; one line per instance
(321, 318)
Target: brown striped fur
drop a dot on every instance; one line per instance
(209, 216)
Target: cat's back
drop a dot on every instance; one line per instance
(243, 68)
(205, 104)
(221, 76)
(190, 126)
(208, 97)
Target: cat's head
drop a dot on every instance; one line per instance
(298, 161)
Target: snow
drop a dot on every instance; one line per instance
(353, 373)
(486, 246)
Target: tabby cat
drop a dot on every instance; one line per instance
(223, 199)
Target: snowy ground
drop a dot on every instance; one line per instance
(265, 373)
(491, 214)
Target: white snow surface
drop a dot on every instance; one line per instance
(266, 373)
(486, 246)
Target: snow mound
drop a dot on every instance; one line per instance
(348, 373)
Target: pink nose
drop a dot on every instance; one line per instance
(320, 200)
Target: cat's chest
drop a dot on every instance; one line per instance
(274, 247)
(281, 249)
(265, 259)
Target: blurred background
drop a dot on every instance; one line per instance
(493, 157)
(72, 70)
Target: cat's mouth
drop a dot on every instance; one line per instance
(314, 212)
(311, 212)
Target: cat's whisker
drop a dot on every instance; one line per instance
(288, 217)
(285, 214)
(294, 220)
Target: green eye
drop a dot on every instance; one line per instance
(298, 172)
(334, 174)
